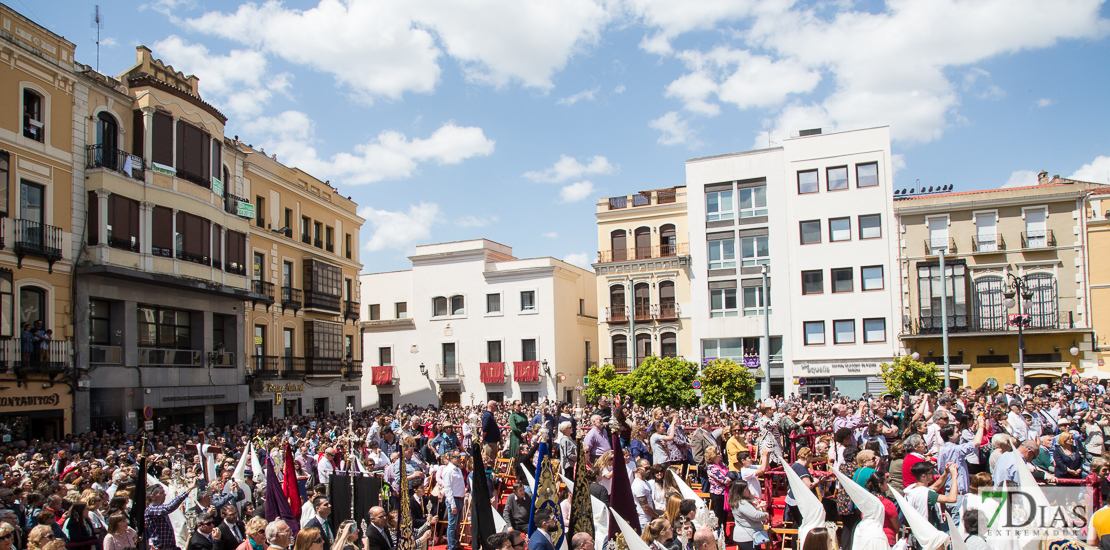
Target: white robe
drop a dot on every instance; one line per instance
(869, 533)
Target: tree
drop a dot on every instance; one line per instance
(604, 381)
(905, 375)
(724, 379)
(664, 381)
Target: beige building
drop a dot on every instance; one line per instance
(303, 246)
(1026, 244)
(643, 277)
(1098, 258)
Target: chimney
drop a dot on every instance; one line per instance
(1042, 178)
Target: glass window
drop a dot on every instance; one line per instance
(874, 330)
(753, 202)
(1036, 232)
(458, 305)
(844, 332)
(528, 350)
(811, 231)
(7, 304)
(401, 310)
(33, 126)
(529, 397)
(100, 323)
(528, 300)
(990, 310)
(754, 251)
(5, 172)
(813, 282)
(986, 232)
(722, 302)
(870, 226)
(872, 277)
(493, 303)
(753, 300)
(814, 333)
(722, 254)
(867, 175)
(841, 279)
(493, 351)
(375, 312)
(838, 178)
(164, 328)
(807, 182)
(718, 206)
(1043, 310)
(930, 293)
(385, 356)
(840, 229)
(439, 306)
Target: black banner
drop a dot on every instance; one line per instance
(367, 494)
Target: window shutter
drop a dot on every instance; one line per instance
(205, 156)
(92, 231)
(162, 139)
(162, 228)
(205, 237)
(181, 145)
(137, 133)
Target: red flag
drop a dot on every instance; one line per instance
(289, 481)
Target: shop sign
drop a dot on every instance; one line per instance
(30, 401)
(348, 388)
(841, 368)
(292, 386)
(193, 397)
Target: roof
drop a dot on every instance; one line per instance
(981, 191)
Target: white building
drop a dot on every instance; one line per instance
(832, 259)
(469, 322)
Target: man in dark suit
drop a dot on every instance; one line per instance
(206, 536)
(232, 531)
(320, 521)
(545, 524)
(377, 536)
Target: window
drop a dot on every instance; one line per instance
(807, 182)
(317, 234)
(1036, 232)
(753, 202)
(870, 226)
(193, 238)
(668, 241)
(123, 222)
(493, 303)
(33, 126)
(375, 312)
(100, 322)
(841, 279)
(867, 175)
(814, 333)
(529, 397)
(323, 340)
(385, 356)
(874, 330)
(349, 346)
(458, 305)
(837, 178)
(581, 306)
(347, 245)
(329, 239)
(840, 229)
(753, 300)
(754, 251)
(844, 332)
(811, 231)
(528, 300)
(493, 351)
(872, 277)
(194, 148)
(938, 234)
(8, 319)
(259, 264)
(1043, 309)
(722, 302)
(718, 206)
(668, 343)
(306, 236)
(217, 163)
(986, 232)
(5, 171)
(930, 293)
(528, 350)
(813, 282)
(401, 310)
(161, 137)
(287, 274)
(439, 306)
(164, 328)
(731, 348)
(722, 254)
(235, 248)
(259, 211)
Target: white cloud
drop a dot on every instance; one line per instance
(986, 90)
(400, 230)
(580, 259)
(109, 42)
(568, 168)
(576, 191)
(1097, 171)
(168, 7)
(551, 235)
(575, 98)
(619, 89)
(675, 130)
(476, 221)
(1021, 178)
(389, 156)
(669, 19)
(897, 162)
(738, 77)
(1045, 102)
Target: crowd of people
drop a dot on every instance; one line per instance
(935, 448)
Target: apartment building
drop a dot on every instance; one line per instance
(1011, 256)
(643, 277)
(470, 322)
(813, 215)
(304, 346)
(1098, 262)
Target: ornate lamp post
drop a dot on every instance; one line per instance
(1014, 287)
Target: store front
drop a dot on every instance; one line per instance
(851, 378)
(191, 406)
(35, 412)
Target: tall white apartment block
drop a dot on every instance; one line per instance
(817, 211)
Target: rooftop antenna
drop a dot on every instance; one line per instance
(97, 21)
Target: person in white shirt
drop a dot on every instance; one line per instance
(1018, 427)
(641, 493)
(326, 467)
(933, 440)
(454, 489)
(307, 510)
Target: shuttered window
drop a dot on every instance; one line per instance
(123, 222)
(162, 139)
(236, 250)
(92, 220)
(193, 153)
(161, 236)
(194, 241)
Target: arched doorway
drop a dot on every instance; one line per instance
(618, 241)
(107, 134)
(619, 360)
(643, 242)
(668, 241)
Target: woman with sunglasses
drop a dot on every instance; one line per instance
(309, 539)
(7, 536)
(120, 534)
(39, 536)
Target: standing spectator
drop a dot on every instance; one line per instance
(597, 439)
(120, 535)
(701, 441)
(454, 489)
(1068, 461)
(206, 536)
(491, 432)
(157, 516)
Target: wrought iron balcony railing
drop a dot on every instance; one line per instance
(117, 160)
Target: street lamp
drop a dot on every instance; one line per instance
(423, 370)
(1015, 287)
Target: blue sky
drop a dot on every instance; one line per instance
(508, 119)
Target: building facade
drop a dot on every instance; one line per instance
(304, 345)
(1007, 252)
(643, 278)
(1098, 261)
(813, 215)
(470, 322)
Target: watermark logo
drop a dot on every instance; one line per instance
(1027, 516)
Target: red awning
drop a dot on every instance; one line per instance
(492, 373)
(526, 371)
(382, 376)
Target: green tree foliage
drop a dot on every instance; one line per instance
(724, 378)
(656, 382)
(604, 381)
(905, 375)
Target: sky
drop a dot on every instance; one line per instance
(509, 119)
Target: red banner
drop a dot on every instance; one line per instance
(381, 376)
(526, 371)
(492, 373)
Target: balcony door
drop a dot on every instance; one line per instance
(287, 348)
(938, 234)
(667, 309)
(986, 229)
(1036, 229)
(32, 305)
(668, 241)
(31, 209)
(643, 347)
(618, 240)
(620, 351)
(107, 133)
(448, 360)
(259, 340)
(642, 293)
(643, 242)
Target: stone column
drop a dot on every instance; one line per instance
(148, 142)
(146, 234)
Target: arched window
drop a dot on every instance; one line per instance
(620, 352)
(107, 133)
(668, 309)
(643, 348)
(1042, 309)
(642, 294)
(990, 311)
(668, 241)
(439, 306)
(618, 241)
(617, 311)
(34, 126)
(458, 305)
(668, 341)
(643, 242)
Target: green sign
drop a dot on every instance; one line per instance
(585, 380)
(217, 186)
(244, 209)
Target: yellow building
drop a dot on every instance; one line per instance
(643, 277)
(304, 263)
(1007, 252)
(1098, 256)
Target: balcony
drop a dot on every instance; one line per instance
(353, 369)
(643, 312)
(1038, 239)
(27, 356)
(38, 239)
(643, 253)
(194, 178)
(449, 373)
(643, 198)
(619, 363)
(290, 298)
(934, 246)
(222, 359)
(305, 238)
(231, 205)
(194, 258)
(323, 366)
(116, 160)
(155, 357)
(323, 302)
(382, 376)
(318, 243)
(616, 314)
(992, 243)
(128, 243)
(236, 269)
(667, 311)
(265, 365)
(330, 247)
(350, 310)
(526, 371)
(959, 324)
(292, 367)
(105, 355)
(263, 289)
